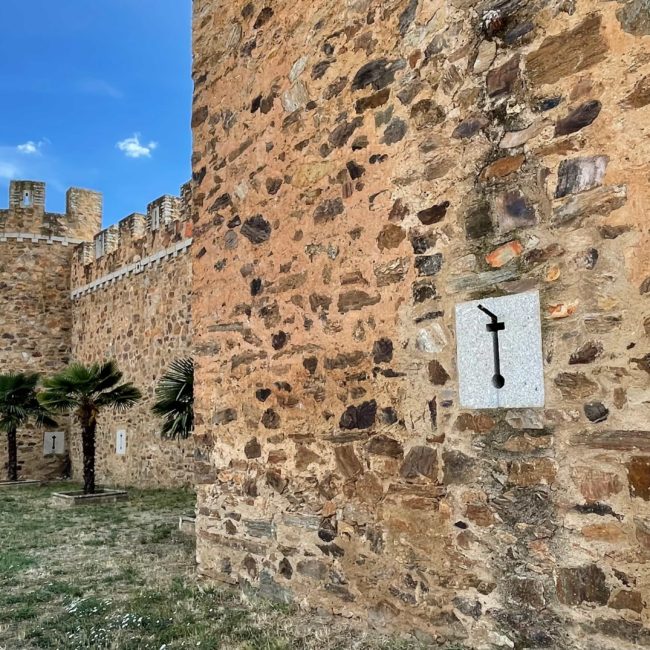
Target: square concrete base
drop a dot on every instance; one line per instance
(187, 524)
(78, 498)
(19, 484)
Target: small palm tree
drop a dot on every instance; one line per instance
(86, 391)
(175, 399)
(19, 404)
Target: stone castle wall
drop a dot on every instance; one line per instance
(361, 167)
(36, 249)
(131, 303)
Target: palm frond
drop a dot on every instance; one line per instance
(19, 403)
(120, 399)
(175, 399)
(107, 376)
(89, 387)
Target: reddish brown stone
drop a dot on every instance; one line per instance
(355, 300)
(420, 461)
(479, 423)
(383, 445)
(575, 385)
(625, 599)
(347, 461)
(638, 474)
(305, 457)
(586, 353)
(577, 585)
(596, 484)
(480, 514)
(391, 236)
(536, 471)
(640, 95)
(438, 376)
(568, 52)
(502, 80)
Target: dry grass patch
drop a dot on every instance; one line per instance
(121, 577)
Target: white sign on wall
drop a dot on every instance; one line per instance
(120, 442)
(499, 352)
(53, 443)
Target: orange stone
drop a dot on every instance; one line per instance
(612, 533)
(501, 256)
(561, 310)
(502, 167)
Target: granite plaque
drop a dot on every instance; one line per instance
(120, 442)
(53, 443)
(499, 352)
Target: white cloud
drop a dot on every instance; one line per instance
(133, 148)
(31, 148)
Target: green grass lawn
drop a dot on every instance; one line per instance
(121, 576)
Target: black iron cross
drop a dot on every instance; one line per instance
(53, 443)
(495, 327)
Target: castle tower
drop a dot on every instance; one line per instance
(365, 172)
(36, 249)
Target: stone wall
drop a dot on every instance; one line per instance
(361, 167)
(36, 249)
(131, 303)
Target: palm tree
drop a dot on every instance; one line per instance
(175, 399)
(18, 403)
(87, 390)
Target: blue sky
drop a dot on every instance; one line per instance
(96, 94)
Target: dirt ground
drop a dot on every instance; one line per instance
(121, 576)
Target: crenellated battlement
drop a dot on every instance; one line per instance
(134, 244)
(27, 218)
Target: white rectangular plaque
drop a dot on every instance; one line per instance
(120, 442)
(499, 352)
(53, 443)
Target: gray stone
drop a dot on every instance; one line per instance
(295, 98)
(407, 16)
(391, 272)
(256, 229)
(480, 281)
(596, 411)
(378, 74)
(312, 569)
(580, 174)
(600, 201)
(428, 264)
(634, 17)
(395, 131)
(328, 210)
(578, 118)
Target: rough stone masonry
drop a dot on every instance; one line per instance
(361, 167)
(71, 293)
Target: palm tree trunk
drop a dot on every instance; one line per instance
(12, 455)
(88, 445)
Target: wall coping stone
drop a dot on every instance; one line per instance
(35, 238)
(134, 268)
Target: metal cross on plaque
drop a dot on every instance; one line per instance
(499, 358)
